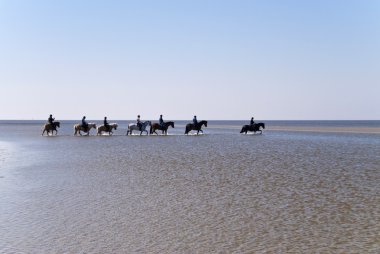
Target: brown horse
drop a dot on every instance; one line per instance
(51, 127)
(103, 128)
(78, 128)
(253, 127)
(163, 128)
(198, 128)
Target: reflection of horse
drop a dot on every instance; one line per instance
(103, 128)
(163, 128)
(134, 127)
(79, 128)
(51, 127)
(253, 127)
(198, 128)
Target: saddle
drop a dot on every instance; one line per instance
(85, 127)
(52, 126)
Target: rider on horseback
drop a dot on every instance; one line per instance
(51, 122)
(51, 119)
(84, 124)
(138, 122)
(195, 121)
(252, 122)
(161, 121)
(105, 122)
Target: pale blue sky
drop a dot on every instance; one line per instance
(217, 59)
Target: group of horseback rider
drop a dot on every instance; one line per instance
(138, 122)
(85, 124)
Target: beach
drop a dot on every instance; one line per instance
(300, 187)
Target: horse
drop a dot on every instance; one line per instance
(164, 128)
(254, 127)
(103, 128)
(79, 127)
(51, 127)
(198, 128)
(134, 127)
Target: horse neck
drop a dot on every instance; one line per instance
(202, 122)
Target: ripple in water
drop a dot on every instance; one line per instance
(277, 192)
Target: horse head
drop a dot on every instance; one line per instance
(114, 126)
(204, 122)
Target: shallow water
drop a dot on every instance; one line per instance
(222, 192)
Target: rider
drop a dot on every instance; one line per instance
(51, 122)
(138, 122)
(51, 119)
(161, 121)
(84, 124)
(195, 121)
(252, 122)
(106, 124)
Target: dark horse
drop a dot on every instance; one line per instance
(51, 127)
(164, 128)
(198, 128)
(254, 127)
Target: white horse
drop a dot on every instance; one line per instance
(134, 127)
(103, 128)
(78, 128)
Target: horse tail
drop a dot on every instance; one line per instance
(242, 130)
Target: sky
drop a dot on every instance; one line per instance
(220, 60)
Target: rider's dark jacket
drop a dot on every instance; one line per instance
(195, 121)
(84, 123)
